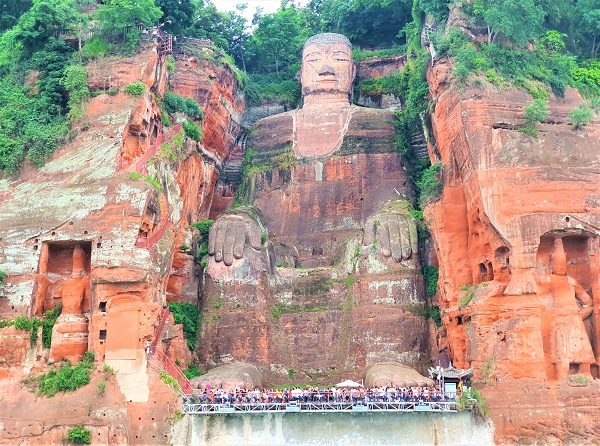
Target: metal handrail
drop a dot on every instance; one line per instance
(195, 408)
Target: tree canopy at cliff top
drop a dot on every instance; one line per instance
(42, 84)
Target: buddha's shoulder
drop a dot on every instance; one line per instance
(275, 121)
(274, 131)
(374, 116)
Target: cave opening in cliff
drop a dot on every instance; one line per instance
(55, 267)
(577, 248)
(502, 263)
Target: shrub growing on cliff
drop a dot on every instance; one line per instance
(204, 227)
(48, 322)
(431, 275)
(79, 435)
(467, 297)
(192, 131)
(534, 114)
(3, 275)
(189, 316)
(581, 116)
(136, 89)
(192, 371)
(75, 83)
(429, 184)
(473, 400)
(174, 103)
(67, 378)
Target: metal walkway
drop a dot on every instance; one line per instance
(228, 408)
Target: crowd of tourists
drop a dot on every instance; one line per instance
(321, 396)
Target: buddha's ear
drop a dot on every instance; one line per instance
(353, 75)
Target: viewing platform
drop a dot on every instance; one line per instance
(317, 407)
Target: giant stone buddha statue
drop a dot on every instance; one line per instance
(317, 271)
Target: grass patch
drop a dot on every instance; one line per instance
(579, 379)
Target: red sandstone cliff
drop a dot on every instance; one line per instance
(514, 209)
(85, 232)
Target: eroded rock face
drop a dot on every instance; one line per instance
(122, 230)
(217, 92)
(518, 219)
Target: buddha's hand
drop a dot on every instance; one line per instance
(393, 231)
(233, 232)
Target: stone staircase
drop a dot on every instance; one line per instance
(158, 358)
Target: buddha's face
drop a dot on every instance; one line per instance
(327, 68)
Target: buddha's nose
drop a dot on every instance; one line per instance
(326, 70)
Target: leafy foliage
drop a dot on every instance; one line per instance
(74, 82)
(192, 371)
(192, 131)
(136, 89)
(174, 103)
(472, 399)
(430, 186)
(79, 435)
(189, 316)
(428, 312)
(117, 14)
(581, 116)
(48, 322)
(67, 378)
(3, 275)
(431, 275)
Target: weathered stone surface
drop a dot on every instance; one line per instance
(127, 231)
(113, 420)
(215, 88)
(230, 377)
(509, 199)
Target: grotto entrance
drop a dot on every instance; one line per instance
(567, 269)
(58, 260)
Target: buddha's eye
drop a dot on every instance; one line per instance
(313, 60)
(341, 59)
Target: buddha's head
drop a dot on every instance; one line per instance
(78, 262)
(327, 66)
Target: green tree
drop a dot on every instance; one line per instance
(518, 20)
(10, 11)
(277, 37)
(179, 12)
(117, 14)
(587, 16)
(74, 82)
(536, 112)
(36, 26)
(225, 29)
(366, 22)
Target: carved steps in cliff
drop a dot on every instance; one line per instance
(231, 172)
